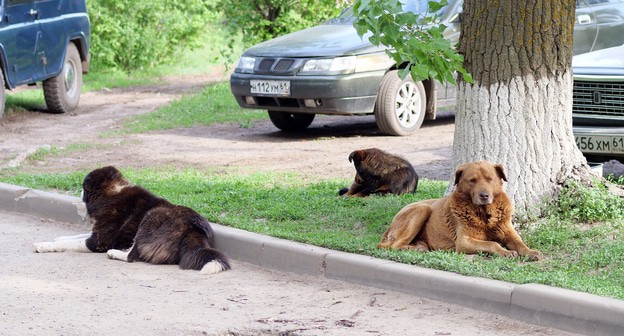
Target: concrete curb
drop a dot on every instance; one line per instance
(538, 304)
(42, 203)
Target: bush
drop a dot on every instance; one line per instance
(260, 20)
(589, 204)
(129, 35)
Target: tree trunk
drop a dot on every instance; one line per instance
(519, 110)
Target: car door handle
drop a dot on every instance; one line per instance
(584, 19)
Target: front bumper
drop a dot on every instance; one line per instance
(600, 141)
(340, 94)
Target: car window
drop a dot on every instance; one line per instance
(599, 24)
(418, 6)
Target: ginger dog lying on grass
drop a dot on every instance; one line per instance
(476, 217)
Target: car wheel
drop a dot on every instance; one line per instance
(290, 122)
(400, 105)
(62, 92)
(2, 94)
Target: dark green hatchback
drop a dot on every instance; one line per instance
(330, 69)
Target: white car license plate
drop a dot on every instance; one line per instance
(600, 144)
(270, 87)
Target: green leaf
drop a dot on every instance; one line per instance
(420, 45)
(435, 6)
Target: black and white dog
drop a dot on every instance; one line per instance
(130, 223)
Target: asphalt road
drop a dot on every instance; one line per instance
(83, 293)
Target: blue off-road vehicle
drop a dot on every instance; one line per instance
(45, 41)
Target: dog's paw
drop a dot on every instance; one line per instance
(44, 247)
(535, 255)
(117, 254)
(509, 254)
(74, 237)
(212, 267)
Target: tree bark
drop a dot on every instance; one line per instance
(518, 112)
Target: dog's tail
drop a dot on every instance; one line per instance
(199, 255)
(197, 250)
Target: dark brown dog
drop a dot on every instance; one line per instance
(476, 217)
(130, 223)
(378, 172)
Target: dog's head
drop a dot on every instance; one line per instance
(480, 181)
(107, 180)
(361, 154)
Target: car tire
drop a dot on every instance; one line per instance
(291, 122)
(62, 92)
(2, 93)
(400, 105)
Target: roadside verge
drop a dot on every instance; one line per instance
(537, 304)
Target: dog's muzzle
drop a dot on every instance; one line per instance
(483, 198)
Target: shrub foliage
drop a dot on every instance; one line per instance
(259, 20)
(130, 35)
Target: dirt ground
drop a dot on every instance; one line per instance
(89, 294)
(319, 152)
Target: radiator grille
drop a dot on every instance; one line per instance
(283, 65)
(266, 63)
(603, 98)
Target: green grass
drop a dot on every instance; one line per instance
(41, 153)
(112, 78)
(31, 99)
(24, 100)
(589, 204)
(619, 180)
(578, 255)
(215, 104)
(581, 238)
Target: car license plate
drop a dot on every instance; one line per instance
(270, 87)
(600, 144)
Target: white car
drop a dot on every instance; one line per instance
(598, 102)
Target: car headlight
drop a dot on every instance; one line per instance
(373, 62)
(347, 64)
(329, 66)
(246, 64)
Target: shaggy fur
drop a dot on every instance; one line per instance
(378, 172)
(130, 223)
(476, 217)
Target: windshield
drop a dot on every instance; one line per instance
(416, 6)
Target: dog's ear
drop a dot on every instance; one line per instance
(351, 156)
(112, 173)
(86, 183)
(458, 174)
(500, 171)
(105, 175)
(357, 155)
